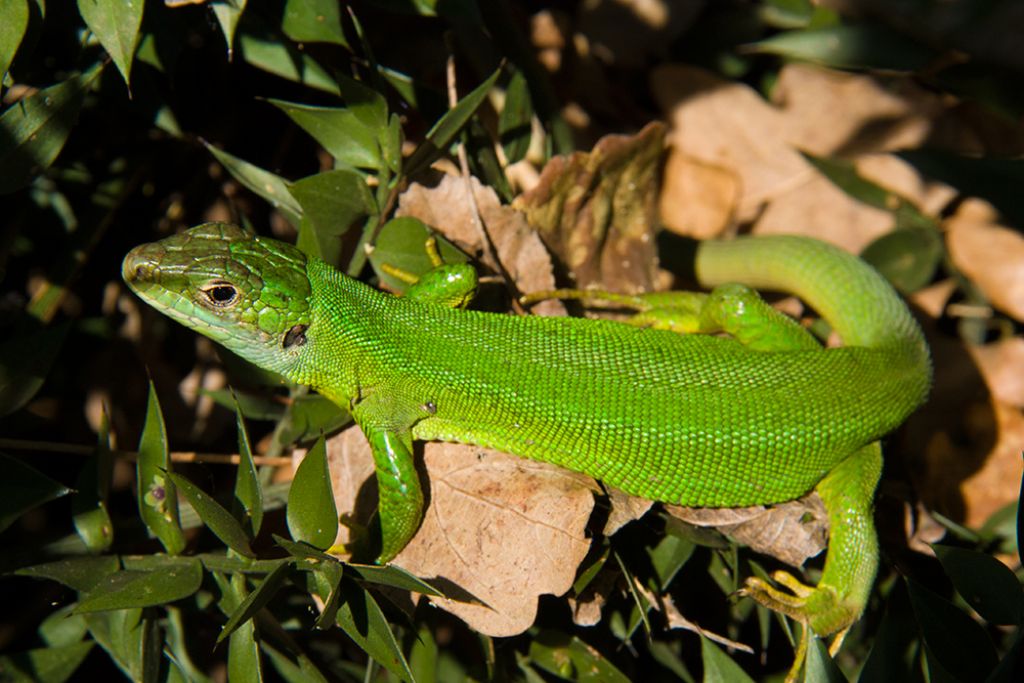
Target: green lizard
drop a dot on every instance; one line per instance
(760, 416)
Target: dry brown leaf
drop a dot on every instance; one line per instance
(991, 256)
(997, 483)
(729, 126)
(791, 532)
(597, 210)
(1002, 366)
(624, 509)
(697, 198)
(449, 209)
(498, 532)
(835, 112)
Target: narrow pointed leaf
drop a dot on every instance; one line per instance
(79, 573)
(12, 30)
(244, 654)
(157, 497)
(958, 643)
(116, 24)
(313, 21)
(312, 516)
(248, 492)
(214, 516)
(393, 576)
(848, 47)
(281, 58)
(985, 583)
(271, 187)
(89, 504)
(127, 589)
(34, 130)
(333, 201)
(449, 125)
(362, 619)
(515, 121)
(49, 664)
(228, 14)
(257, 599)
(340, 130)
(23, 488)
(719, 667)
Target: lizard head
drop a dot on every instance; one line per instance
(249, 293)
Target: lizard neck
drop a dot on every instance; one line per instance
(347, 323)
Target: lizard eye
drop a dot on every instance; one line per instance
(220, 294)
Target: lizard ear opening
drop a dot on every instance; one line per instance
(296, 336)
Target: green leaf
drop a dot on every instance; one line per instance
(515, 122)
(34, 130)
(281, 58)
(669, 556)
(214, 516)
(89, 504)
(116, 24)
(228, 12)
(61, 627)
(158, 500)
(367, 104)
(23, 488)
(957, 642)
(25, 361)
(908, 258)
(312, 415)
(819, 665)
(997, 180)
(257, 599)
(401, 243)
(248, 492)
(303, 672)
(985, 583)
(719, 667)
(393, 576)
(122, 634)
(244, 654)
(362, 619)
(333, 201)
(252, 406)
(12, 30)
(272, 188)
(848, 47)
(312, 516)
(313, 21)
(79, 573)
(448, 126)
(340, 130)
(49, 664)
(569, 657)
(179, 579)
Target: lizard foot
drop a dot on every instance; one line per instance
(819, 609)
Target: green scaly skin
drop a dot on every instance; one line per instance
(760, 417)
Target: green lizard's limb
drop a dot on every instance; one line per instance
(452, 284)
(400, 509)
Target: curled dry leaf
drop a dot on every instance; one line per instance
(791, 532)
(624, 509)
(719, 124)
(597, 210)
(449, 209)
(990, 255)
(499, 531)
(997, 482)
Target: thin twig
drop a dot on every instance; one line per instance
(485, 237)
(179, 456)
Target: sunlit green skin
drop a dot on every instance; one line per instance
(763, 416)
